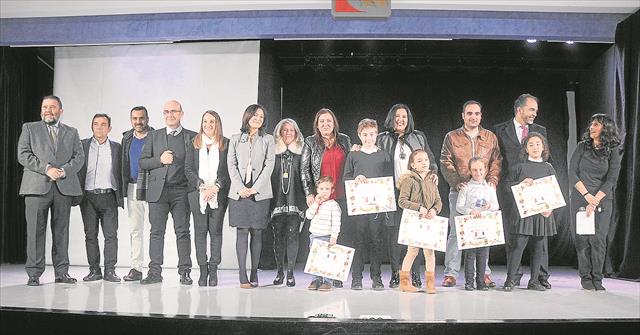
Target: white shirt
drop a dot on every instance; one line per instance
(519, 129)
(400, 166)
(178, 130)
(99, 166)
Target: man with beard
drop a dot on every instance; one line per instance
(134, 182)
(52, 155)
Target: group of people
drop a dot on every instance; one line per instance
(281, 179)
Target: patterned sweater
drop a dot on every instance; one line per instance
(325, 218)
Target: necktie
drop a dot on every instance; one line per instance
(54, 136)
(525, 132)
(173, 133)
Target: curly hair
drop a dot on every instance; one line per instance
(609, 137)
(545, 152)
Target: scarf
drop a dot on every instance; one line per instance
(208, 170)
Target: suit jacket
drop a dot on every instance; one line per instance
(262, 157)
(192, 168)
(116, 165)
(510, 148)
(36, 151)
(154, 145)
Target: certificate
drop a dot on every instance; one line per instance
(585, 225)
(334, 262)
(423, 233)
(479, 232)
(376, 195)
(542, 196)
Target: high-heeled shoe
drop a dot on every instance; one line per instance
(253, 278)
(291, 281)
(279, 278)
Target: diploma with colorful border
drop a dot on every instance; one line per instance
(481, 232)
(375, 195)
(423, 233)
(334, 262)
(542, 196)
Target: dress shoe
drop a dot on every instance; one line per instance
(111, 276)
(395, 280)
(337, 283)
(469, 287)
(151, 278)
(213, 277)
(508, 285)
(536, 286)
(449, 281)
(356, 284)
(291, 280)
(253, 278)
(33, 281)
(416, 280)
(279, 278)
(544, 282)
(488, 282)
(65, 279)
(598, 285)
(482, 287)
(94, 274)
(185, 279)
(377, 284)
(133, 275)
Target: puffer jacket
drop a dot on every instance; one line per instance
(415, 140)
(312, 160)
(416, 192)
(127, 138)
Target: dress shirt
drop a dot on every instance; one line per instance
(99, 167)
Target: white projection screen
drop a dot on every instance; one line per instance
(222, 76)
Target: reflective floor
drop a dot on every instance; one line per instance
(565, 301)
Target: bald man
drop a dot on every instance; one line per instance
(163, 155)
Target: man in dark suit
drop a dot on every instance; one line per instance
(51, 154)
(163, 155)
(510, 135)
(101, 183)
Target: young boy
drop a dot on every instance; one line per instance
(324, 214)
(369, 162)
(478, 196)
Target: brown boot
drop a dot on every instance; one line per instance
(430, 278)
(405, 282)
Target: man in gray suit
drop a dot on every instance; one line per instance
(163, 155)
(51, 154)
(101, 183)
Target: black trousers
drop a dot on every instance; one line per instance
(510, 217)
(475, 264)
(208, 225)
(368, 228)
(172, 200)
(591, 249)
(286, 230)
(536, 255)
(36, 209)
(100, 210)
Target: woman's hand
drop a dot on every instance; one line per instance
(244, 192)
(590, 210)
(591, 200)
(310, 200)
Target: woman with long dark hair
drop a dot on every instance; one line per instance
(593, 173)
(250, 162)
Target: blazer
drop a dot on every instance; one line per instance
(36, 151)
(192, 168)
(262, 157)
(154, 145)
(116, 164)
(510, 148)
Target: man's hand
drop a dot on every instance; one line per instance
(527, 182)
(167, 157)
(55, 173)
(360, 179)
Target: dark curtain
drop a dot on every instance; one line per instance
(624, 250)
(24, 80)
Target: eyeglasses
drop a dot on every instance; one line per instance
(173, 111)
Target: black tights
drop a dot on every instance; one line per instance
(516, 255)
(242, 245)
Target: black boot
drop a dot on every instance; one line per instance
(291, 281)
(415, 279)
(213, 275)
(204, 273)
(395, 280)
(279, 278)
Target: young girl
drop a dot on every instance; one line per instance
(324, 214)
(478, 196)
(418, 192)
(535, 152)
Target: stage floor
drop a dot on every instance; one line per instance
(565, 301)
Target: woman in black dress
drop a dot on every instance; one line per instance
(288, 203)
(593, 173)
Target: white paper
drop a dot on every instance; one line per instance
(542, 196)
(585, 225)
(420, 232)
(375, 195)
(481, 232)
(334, 262)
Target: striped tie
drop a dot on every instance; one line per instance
(53, 132)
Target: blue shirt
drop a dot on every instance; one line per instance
(134, 156)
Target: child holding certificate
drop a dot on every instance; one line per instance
(324, 214)
(369, 162)
(418, 192)
(476, 197)
(536, 228)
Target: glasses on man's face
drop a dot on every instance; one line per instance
(173, 111)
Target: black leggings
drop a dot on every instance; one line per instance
(242, 245)
(286, 229)
(536, 255)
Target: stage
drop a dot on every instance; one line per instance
(128, 307)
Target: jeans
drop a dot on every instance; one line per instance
(324, 238)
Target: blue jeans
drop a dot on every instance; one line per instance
(324, 238)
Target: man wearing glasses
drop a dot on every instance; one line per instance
(163, 155)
